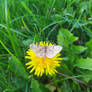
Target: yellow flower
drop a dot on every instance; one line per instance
(40, 65)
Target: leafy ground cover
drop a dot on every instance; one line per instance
(67, 23)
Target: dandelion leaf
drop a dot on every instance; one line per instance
(65, 38)
(17, 67)
(35, 86)
(85, 63)
(78, 49)
(89, 48)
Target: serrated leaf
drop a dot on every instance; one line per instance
(83, 6)
(51, 87)
(27, 42)
(87, 75)
(35, 86)
(78, 49)
(85, 63)
(44, 88)
(19, 82)
(89, 46)
(17, 67)
(66, 87)
(65, 38)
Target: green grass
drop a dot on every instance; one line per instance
(67, 23)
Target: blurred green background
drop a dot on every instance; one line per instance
(67, 23)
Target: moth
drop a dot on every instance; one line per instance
(45, 51)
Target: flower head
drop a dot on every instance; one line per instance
(40, 65)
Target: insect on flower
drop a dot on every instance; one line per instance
(44, 58)
(45, 51)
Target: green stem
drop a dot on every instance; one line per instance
(6, 48)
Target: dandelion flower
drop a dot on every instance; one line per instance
(40, 65)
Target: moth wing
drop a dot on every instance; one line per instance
(52, 51)
(39, 50)
(33, 47)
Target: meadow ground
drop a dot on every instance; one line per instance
(67, 23)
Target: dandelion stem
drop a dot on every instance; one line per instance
(74, 79)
